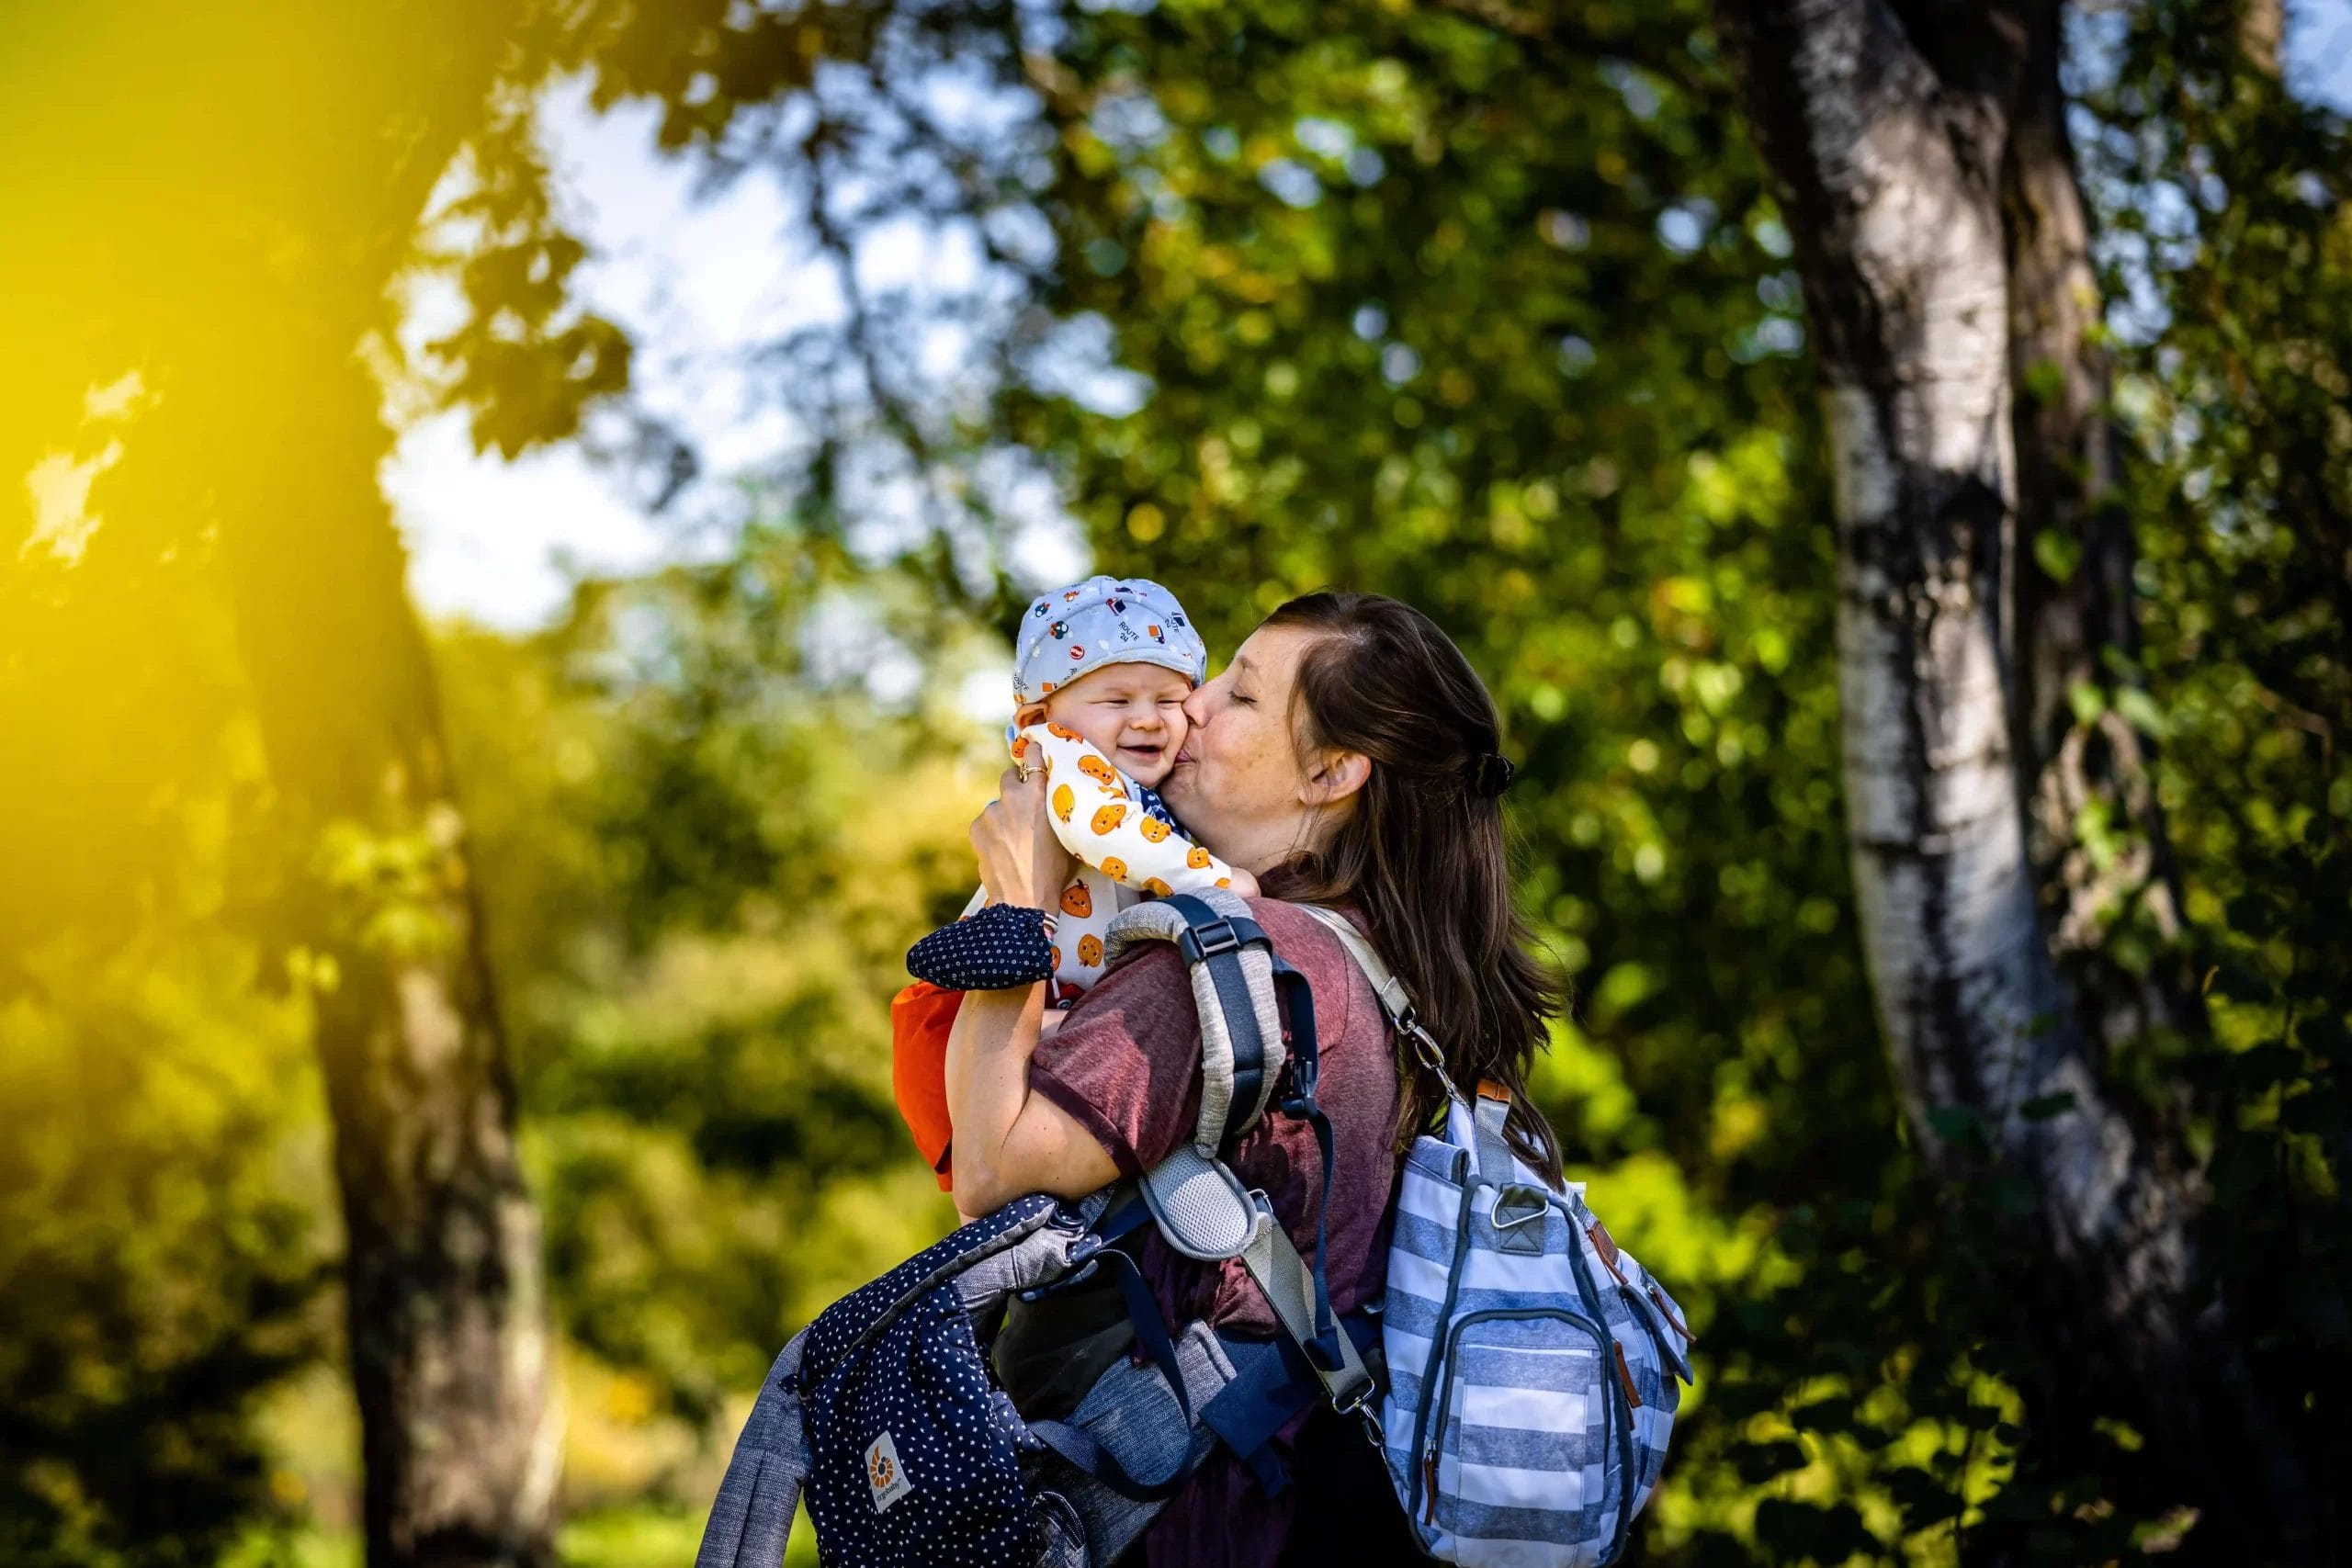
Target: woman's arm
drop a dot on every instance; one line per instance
(1007, 1140)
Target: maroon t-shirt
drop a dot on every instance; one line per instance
(1127, 1065)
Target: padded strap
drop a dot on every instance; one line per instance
(1230, 965)
(1202, 1208)
(1231, 948)
(1079, 1447)
(1289, 1285)
(1306, 1070)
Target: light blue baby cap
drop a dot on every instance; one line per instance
(1103, 620)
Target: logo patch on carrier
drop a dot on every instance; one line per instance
(884, 1473)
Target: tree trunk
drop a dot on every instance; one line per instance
(445, 1284)
(445, 1308)
(1896, 142)
(2111, 896)
(243, 190)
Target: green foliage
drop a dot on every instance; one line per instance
(161, 1188)
(704, 860)
(1482, 306)
(2228, 214)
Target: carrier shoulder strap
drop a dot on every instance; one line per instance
(1231, 966)
(1243, 990)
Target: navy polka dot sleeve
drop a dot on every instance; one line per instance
(998, 947)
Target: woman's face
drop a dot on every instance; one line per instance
(1239, 783)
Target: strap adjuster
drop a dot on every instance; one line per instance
(1206, 941)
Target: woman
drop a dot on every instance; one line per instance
(1348, 758)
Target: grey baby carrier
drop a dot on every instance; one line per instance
(890, 1415)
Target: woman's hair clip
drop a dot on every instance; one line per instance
(1488, 774)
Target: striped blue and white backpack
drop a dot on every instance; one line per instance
(1534, 1366)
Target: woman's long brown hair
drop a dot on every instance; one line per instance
(1422, 857)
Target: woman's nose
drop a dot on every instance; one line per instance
(1196, 707)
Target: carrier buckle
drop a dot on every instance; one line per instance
(1207, 939)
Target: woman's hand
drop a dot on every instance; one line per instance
(1021, 861)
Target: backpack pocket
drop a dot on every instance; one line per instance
(914, 1451)
(1522, 1442)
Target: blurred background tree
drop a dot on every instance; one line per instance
(1490, 306)
(213, 211)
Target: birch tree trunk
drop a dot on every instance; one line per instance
(1906, 142)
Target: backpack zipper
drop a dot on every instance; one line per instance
(1452, 1290)
(1616, 1397)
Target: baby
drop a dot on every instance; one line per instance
(1101, 673)
(1100, 676)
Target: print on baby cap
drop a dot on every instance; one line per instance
(883, 1474)
(1104, 620)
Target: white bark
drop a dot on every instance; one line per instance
(1908, 282)
(1895, 130)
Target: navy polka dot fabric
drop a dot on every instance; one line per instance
(914, 1450)
(1001, 945)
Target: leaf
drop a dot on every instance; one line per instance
(2058, 554)
(1924, 1500)
(1960, 1125)
(1836, 1415)
(2317, 1111)
(2043, 1107)
(2254, 915)
(1794, 1532)
(2139, 710)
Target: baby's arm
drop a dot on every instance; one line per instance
(1095, 820)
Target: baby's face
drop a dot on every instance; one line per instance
(1133, 712)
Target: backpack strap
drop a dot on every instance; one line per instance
(1393, 999)
(1490, 1110)
(1231, 965)
(1301, 1301)
(1396, 1001)
(1244, 991)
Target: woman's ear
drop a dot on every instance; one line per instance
(1337, 775)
